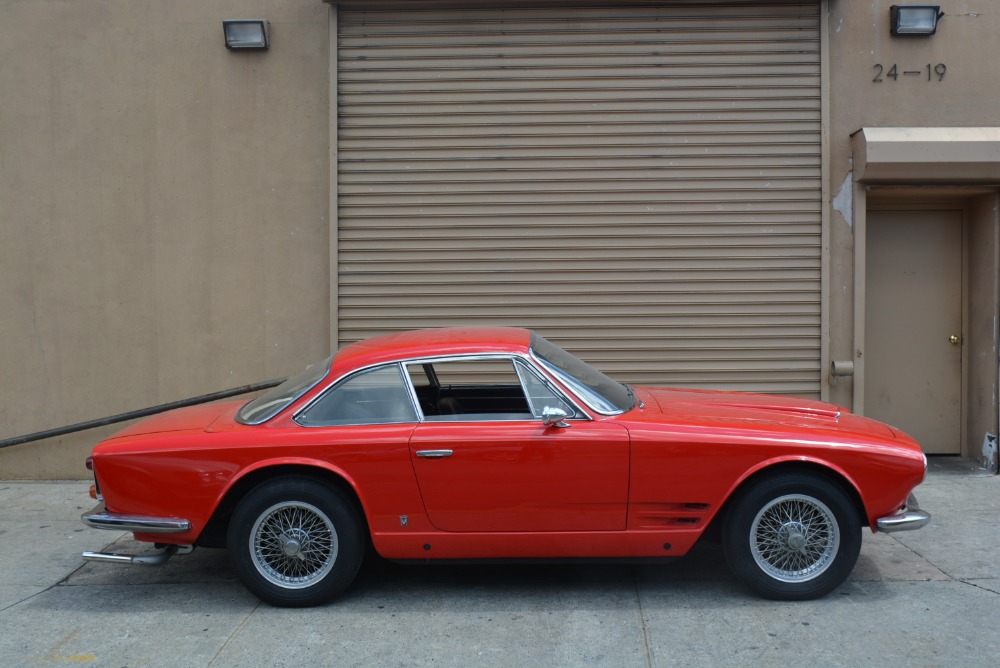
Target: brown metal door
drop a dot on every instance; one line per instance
(913, 325)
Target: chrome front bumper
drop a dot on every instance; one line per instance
(100, 518)
(910, 517)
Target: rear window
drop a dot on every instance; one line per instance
(267, 405)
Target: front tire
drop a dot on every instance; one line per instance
(295, 542)
(792, 537)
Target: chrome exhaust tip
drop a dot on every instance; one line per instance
(139, 559)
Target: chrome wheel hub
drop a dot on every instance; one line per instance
(293, 544)
(291, 547)
(794, 535)
(794, 538)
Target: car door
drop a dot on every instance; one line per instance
(486, 461)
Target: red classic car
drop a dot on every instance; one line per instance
(495, 443)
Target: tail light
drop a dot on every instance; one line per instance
(95, 489)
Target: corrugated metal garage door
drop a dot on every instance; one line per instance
(639, 184)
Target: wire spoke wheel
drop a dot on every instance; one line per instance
(792, 535)
(293, 544)
(794, 538)
(296, 541)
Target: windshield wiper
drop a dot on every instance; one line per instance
(631, 394)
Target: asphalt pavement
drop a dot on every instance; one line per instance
(922, 598)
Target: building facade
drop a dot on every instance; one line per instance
(771, 196)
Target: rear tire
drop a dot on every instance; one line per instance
(792, 536)
(295, 542)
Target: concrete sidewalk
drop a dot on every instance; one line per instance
(924, 598)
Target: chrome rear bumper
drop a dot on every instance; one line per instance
(100, 518)
(908, 518)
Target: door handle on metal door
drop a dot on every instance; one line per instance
(433, 454)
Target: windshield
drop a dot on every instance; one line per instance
(594, 388)
(267, 405)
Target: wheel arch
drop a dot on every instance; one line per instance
(214, 534)
(830, 473)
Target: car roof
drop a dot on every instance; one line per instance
(431, 343)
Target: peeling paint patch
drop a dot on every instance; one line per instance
(843, 202)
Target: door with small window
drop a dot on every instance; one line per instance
(486, 460)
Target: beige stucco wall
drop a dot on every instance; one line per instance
(981, 335)
(164, 202)
(859, 40)
(163, 206)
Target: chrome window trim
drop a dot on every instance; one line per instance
(549, 385)
(412, 392)
(513, 357)
(581, 414)
(348, 376)
(574, 385)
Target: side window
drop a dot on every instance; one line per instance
(376, 396)
(469, 390)
(482, 389)
(539, 394)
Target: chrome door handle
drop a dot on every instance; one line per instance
(433, 454)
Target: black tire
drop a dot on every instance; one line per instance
(792, 536)
(295, 542)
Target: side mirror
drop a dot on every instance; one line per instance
(555, 417)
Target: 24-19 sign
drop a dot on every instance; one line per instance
(932, 71)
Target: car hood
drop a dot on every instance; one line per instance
(747, 410)
(192, 418)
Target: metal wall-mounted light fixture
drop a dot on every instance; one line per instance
(246, 33)
(914, 20)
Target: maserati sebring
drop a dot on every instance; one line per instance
(494, 443)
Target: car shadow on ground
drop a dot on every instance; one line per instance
(703, 571)
(381, 577)
(704, 563)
